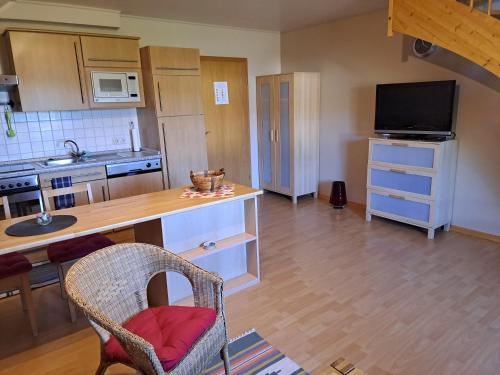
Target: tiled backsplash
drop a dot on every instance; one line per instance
(42, 134)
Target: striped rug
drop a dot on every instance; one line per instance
(250, 354)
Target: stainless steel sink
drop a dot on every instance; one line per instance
(62, 162)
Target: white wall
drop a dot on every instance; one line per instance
(261, 48)
(353, 55)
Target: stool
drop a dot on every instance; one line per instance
(65, 253)
(14, 271)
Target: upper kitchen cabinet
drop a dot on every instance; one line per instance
(177, 95)
(111, 52)
(50, 70)
(171, 61)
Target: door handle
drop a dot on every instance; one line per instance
(159, 96)
(78, 71)
(398, 171)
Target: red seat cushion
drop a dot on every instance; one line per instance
(77, 248)
(172, 330)
(13, 264)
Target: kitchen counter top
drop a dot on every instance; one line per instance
(95, 159)
(117, 213)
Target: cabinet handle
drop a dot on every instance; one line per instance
(159, 96)
(112, 60)
(169, 68)
(398, 171)
(399, 144)
(103, 193)
(271, 135)
(78, 71)
(276, 135)
(397, 197)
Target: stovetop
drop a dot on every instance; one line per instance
(9, 168)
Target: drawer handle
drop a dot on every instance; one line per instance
(400, 144)
(397, 197)
(398, 171)
(169, 68)
(113, 60)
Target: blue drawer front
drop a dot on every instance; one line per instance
(407, 182)
(411, 156)
(401, 207)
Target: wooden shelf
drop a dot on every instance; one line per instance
(221, 245)
(230, 287)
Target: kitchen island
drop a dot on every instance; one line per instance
(179, 225)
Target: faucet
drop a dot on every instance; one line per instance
(75, 151)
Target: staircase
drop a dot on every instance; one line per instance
(469, 28)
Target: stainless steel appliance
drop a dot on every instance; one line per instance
(23, 193)
(133, 168)
(115, 87)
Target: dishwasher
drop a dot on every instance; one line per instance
(134, 178)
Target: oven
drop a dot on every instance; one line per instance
(23, 195)
(115, 87)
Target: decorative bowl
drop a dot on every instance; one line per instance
(209, 180)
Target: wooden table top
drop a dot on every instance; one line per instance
(117, 213)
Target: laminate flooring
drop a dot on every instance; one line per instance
(379, 294)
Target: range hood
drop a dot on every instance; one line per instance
(8, 81)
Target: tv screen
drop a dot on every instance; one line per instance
(415, 108)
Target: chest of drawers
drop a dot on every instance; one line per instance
(412, 182)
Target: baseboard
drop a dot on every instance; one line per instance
(475, 233)
(454, 228)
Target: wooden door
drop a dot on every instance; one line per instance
(100, 51)
(185, 147)
(174, 61)
(266, 131)
(177, 95)
(129, 186)
(284, 133)
(228, 133)
(50, 71)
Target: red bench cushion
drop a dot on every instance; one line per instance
(13, 264)
(172, 330)
(77, 248)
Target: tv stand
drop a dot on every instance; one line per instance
(412, 182)
(420, 137)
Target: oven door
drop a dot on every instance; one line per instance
(25, 203)
(109, 87)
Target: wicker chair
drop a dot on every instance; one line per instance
(110, 287)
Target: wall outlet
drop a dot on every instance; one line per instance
(115, 140)
(122, 141)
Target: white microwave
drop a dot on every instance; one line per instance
(115, 87)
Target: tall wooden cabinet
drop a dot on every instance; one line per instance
(288, 127)
(173, 119)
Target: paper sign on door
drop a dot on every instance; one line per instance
(221, 93)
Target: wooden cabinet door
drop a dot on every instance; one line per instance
(266, 131)
(100, 51)
(174, 61)
(129, 186)
(178, 95)
(284, 133)
(50, 71)
(185, 147)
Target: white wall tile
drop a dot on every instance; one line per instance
(42, 134)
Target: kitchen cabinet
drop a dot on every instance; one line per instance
(50, 70)
(112, 52)
(95, 176)
(171, 61)
(173, 119)
(186, 147)
(177, 95)
(288, 130)
(127, 186)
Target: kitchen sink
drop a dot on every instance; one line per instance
(62, 162)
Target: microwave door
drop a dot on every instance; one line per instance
(109, 86)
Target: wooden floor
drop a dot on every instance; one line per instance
(379, 294)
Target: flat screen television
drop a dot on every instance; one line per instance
(419, 108)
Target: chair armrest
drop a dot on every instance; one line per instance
(207, 287)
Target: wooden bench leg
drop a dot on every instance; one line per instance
(27, 297)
